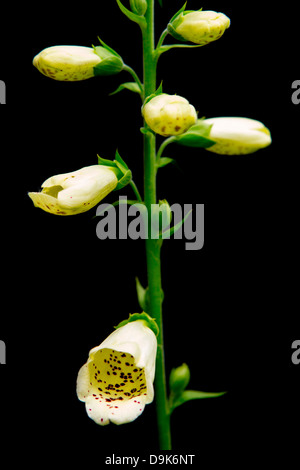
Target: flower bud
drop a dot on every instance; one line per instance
(76, 192)
(179, 379)
(70, 63)
(199, 27)
(139, 6)
(169, 114)
(161, 216)
(237, 136)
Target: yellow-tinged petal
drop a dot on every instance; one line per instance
(67, 63)
(117, 381)
(75, 192)
(202, 27)
(237, 136)
(169, 114)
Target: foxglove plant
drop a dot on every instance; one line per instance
(117, 381)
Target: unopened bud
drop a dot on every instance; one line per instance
(139, 6)
(199, 27)
(179, 378)
(237, 136)
(67, 63)
(169, 114)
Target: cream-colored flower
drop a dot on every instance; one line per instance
(117, 380)
(202, 27)
(75, 192)
(237, 136)
(67, 63)
(169, 114)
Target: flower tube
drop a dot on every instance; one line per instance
(237, 135)
(75, 192)
(117, 380)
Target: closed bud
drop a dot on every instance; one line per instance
(67, 63)
(237, 136)
(199, 27)
(169, 114)
(179, 379)
(139, 6)
(75, 192)
(161, 216)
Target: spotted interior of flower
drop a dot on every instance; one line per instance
(115, 379)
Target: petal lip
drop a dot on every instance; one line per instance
(109, 403)
(75, 192)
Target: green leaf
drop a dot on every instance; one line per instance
(132, 86)
(188, 395)
(164, 161)
(132, 16)
(160, 3)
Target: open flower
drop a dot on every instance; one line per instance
(237, 136)
(75, 192)
(117, 381)
(169, 114)
(200, 27)
(67, 63)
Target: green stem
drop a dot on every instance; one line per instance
(136, 191)
(153, 246)
(135, 77)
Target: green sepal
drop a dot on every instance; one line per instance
(149, 321)
(174, 22)
(131, 86)
(196, 136)
(159, 91)
(120, 168)
(132, 16)
(111, 62)
(188, 395)
(160, 3)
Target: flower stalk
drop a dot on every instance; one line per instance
(153, 246)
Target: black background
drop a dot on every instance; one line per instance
(230, 309)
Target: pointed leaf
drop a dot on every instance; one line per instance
(132, 86)
(188, 395)
(164, 161)
(132, 16)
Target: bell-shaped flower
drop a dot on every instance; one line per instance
(73, 63)
(199, 27)
(237, 136)
(75, 192)
(169, 114)
(117, 380)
